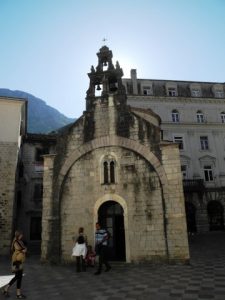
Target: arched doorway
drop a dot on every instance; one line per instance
(110, 216)
(190, 217)
(215, 215)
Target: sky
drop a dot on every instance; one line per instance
(47, 47)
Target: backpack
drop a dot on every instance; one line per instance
(80, 239)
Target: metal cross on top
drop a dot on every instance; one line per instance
(104, 40)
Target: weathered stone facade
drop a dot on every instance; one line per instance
(29, 192)
(13, 120)
(114, 154)
(8, 164)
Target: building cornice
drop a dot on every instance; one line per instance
(177, 99)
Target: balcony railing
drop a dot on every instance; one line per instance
(193, 185)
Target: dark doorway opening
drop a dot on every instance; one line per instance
(215, 215)
(110, 216)
(190, 217)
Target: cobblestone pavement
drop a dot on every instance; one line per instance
(204, 278)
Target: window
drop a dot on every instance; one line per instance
(195, 92)
(208, 174)
(35, 228)
(219, 94)
(184, 171)
(222, 117)
(218, 90)
(106, 176)
(147, 90)
(179, 140)
(172, 92)
(40, 152)
(112, 172)
(200, 117)
(204, 142)
(175, 116)
(109, 172)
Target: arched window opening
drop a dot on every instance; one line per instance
(112, 172)
(105, 66)
(108, 170)
(106, 177)
(98, 90)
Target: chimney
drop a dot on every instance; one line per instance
(133, 75)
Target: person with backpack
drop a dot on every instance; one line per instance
(101, 248)
(80, 250)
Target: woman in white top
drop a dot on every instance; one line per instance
(80, 250)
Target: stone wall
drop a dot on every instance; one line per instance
(80, 178)
(148, 185)
(8, 164)
(174, 205)
(136, 182)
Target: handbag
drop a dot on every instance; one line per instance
(17, 266)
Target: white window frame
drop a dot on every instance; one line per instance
(175, 116)
(204, 142)
(219, 94)
(147, 90)
(179, 139)
(172, 92)
(222, 115)
(195, 92)
(208, 173)
(200, 117)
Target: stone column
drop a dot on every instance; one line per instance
(176, 227)
(47, 212)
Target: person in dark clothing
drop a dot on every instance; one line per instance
(18, 258)
(101, 248)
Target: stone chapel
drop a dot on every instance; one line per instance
(112, 166)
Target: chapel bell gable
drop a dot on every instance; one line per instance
(105, 79)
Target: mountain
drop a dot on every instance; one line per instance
(42, 118)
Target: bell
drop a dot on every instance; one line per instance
(105, 64)
(98, 88)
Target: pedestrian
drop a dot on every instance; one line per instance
(90, 257)
(80, 250)
(18, 257)
(101, 248)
